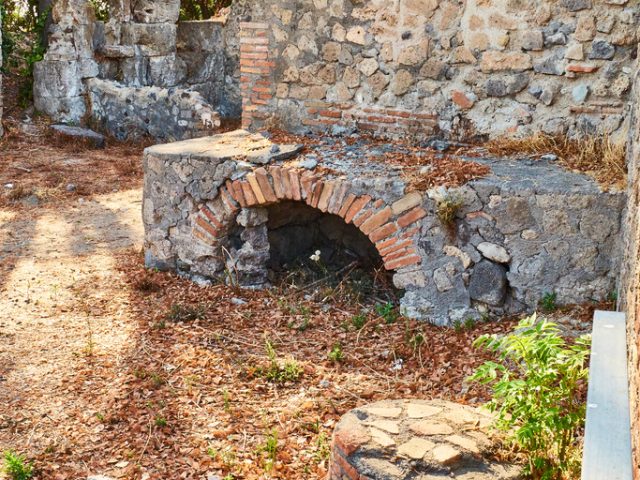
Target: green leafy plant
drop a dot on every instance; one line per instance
(388, 312)
(160, 421)
(537, 394)
(548, 302)
(16, 466)
(336, 354)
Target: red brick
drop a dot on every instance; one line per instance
(346, 204)
(395, 247)
(276, 176)
(356, 207)
(204, 238)
(256, 55)
(362, 217)
(398, 113)
(235, 188)
(211, 217)
(581, 68)
(399, 254)
(383, 232)
(461, 99)
(348, 437)
(411, 217)
(378, 203)
(339, 192)
(230, 204)
(255, 186)
(376, 220)
(402, 262)
(330, 113)
(250, 194)
(410, 233)
(306, 183)
(207, 227)
(348, 469)
(378, 119)
(386, 244)
(316, 191)
(323, 202)
(263, 180)
(286, 184)
(294, 178)
(254, 41)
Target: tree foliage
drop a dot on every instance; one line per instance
(201, 9)
(537, 395)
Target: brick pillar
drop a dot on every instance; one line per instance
(256, 75)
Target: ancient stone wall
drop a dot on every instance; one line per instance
(630, 278)
(488, 67)
(525, 230)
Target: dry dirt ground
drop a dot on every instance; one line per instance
(107, 368)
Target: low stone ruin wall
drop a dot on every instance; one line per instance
(172, 74)
(160, 113)
(526, 229)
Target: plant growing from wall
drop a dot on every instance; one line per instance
(538, 385)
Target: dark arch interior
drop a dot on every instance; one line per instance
(296, 232)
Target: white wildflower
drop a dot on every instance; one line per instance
(316, 256)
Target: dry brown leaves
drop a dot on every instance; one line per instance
(39, 163)
(200, 376)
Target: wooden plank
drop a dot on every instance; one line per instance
(607, 443)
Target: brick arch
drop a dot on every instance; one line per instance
(390, 227)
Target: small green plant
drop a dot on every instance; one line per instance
(226, 398)
(336, 354)
(388, 312)
(358, 321)
(469, 323)
(458, 326)
(613, 297)
(160, 421)
(323, 448)
(16, 466)
(186, 313)
(548, 302)
(270, 449)
(447, 208)
(537, 388)
(277, 372)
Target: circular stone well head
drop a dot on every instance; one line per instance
(415, 439)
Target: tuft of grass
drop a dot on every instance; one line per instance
(548, 302)
(447, 208)
(186, 313)
(598, 156)
(270, 449)
(358, 321)
(160, 422)
(16, 466)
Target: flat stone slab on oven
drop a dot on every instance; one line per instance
(238, 145)
(416, 439)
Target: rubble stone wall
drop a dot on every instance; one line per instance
(630, 279)
(488, 67)
(140, 73)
